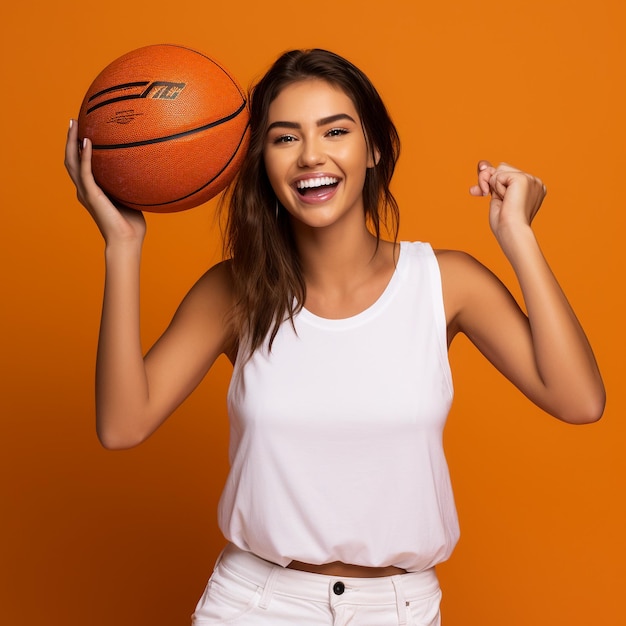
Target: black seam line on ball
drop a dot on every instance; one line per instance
(135, 96)
(245, 130)
(141, 83)
(113, 101)
(147, 142)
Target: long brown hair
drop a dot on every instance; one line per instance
(267, 275)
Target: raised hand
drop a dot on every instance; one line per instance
(515, 196)
(545, 353)
(116, 223)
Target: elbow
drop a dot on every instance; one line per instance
(118, 439)
(587, 412)
(111, 442)
(594, 414)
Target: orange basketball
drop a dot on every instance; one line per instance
(169, 128)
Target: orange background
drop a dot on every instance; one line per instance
(90, 537)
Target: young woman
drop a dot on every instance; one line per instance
(338, 504)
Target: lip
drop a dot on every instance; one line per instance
(320, 197)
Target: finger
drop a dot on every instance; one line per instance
(88, 183)
(506, 167)
(485, 172)
(71, 150)
(508, 175)
(498, 183)
(85, 160)
(483, 165)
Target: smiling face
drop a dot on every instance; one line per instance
(315, 153)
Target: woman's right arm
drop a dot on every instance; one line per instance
(134, 395)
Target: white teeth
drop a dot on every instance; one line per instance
(316, 182)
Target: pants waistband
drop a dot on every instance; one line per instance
(273, 578)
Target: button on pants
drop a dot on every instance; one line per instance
(245, 590)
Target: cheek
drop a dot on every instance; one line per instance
(355, 156)
(355, 163)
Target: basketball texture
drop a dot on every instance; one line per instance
(169, 128)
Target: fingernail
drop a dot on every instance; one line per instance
(482, 166)
(71, 123)
(84, 143)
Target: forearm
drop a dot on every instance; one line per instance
(121, 383)
(564, 359)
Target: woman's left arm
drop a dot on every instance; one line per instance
(545, 353)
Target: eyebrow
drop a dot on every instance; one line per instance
(321, 122)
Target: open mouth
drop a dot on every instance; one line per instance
(312, 187)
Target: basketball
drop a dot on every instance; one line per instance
(169, 128)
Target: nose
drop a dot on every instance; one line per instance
(311, 153)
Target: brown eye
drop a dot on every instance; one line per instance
(337, 132)
(284, 139)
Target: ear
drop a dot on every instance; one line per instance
(374, 157)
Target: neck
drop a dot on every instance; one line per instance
(332, 258)
(344, 270)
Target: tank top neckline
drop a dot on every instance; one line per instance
(367, 314)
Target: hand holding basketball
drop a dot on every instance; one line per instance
(115, 223)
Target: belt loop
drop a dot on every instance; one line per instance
(401, 602)
(268, 590)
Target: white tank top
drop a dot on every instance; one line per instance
(336, 434)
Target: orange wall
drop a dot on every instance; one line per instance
(100, 538)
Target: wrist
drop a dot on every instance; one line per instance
(511, 236)
(123, 250)
(518, 244)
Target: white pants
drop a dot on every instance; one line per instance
(245, 590)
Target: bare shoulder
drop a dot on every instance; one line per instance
(447, 257)
(460, 270)
(468, 286)
(213, 290)
(454, 266)
(203, 315)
